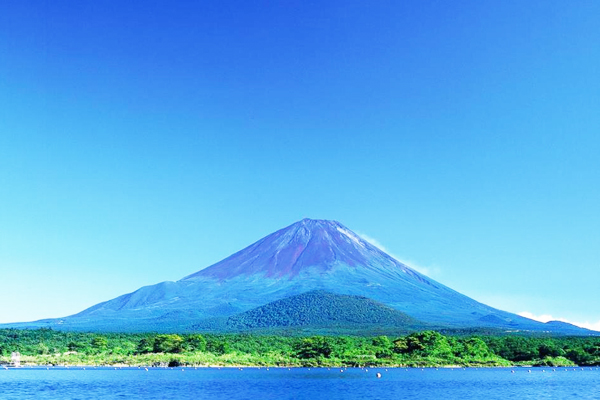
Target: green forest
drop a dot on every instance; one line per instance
(421, 349)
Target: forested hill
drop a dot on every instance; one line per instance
(319, 308)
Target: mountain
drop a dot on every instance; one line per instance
(305, 256)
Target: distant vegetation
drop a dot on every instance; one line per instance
(428, 348)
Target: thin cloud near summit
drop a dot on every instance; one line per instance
(428, 271)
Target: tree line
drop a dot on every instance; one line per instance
(427, 348)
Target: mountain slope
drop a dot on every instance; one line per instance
(308, 255)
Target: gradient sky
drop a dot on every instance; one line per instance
(141, 141)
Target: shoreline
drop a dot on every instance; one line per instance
(289, 367)
(285, 366)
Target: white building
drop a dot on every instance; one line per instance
(15, 357)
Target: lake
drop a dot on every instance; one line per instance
(299, 383)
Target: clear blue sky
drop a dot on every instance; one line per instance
(141, 141)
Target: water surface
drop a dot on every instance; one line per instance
(299, 383)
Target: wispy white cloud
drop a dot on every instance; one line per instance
(428, 271)
(374, 242)
(547, 317)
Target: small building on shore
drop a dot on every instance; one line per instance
(15, 359)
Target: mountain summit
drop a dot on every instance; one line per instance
(307, 256)
(310, 246)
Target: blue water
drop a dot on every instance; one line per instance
(299, 383)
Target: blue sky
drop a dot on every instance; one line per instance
(141, 141)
